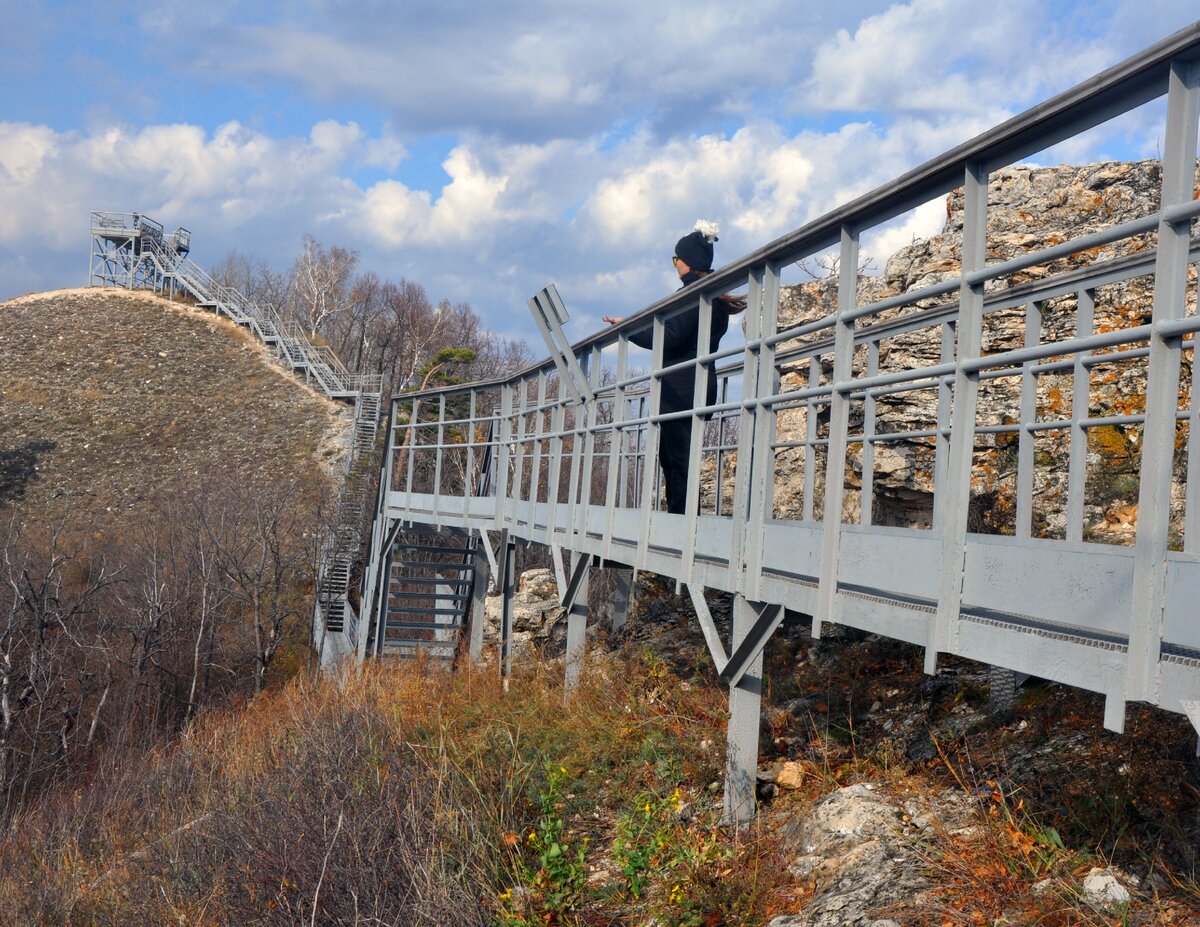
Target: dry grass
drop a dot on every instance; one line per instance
(399, 798)
(110, 399)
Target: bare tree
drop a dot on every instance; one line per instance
(319, 284)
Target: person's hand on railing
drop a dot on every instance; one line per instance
(611, 319)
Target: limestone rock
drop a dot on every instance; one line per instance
(790, 775)
(1102, 888)
(1029, 209)
(857, 845)
(536, 614)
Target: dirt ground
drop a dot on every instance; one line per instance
(111, 399)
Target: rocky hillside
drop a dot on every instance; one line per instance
(111, 399)
(1029, 209)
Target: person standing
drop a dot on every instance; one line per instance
(693, 260)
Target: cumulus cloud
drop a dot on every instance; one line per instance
(578, 141)
(49, 181)
(524, 70)
(944, 56)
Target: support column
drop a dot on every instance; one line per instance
(622, 598)
(479, 587)
(745, 705)
(577, 617)
(507, 586)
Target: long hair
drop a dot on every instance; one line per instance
(731, 305)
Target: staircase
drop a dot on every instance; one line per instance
(132, 250)
(343, 545)
(430, 581)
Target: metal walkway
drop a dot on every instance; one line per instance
(576, 469)
(133, 251)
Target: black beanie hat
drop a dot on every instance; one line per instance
(695, 249)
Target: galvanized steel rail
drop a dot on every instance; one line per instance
(580, 476)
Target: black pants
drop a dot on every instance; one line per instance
(674, 449)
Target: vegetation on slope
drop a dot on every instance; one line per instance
(403, 796)
(163, 489)
(112, 401)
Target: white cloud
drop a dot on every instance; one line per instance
(529, 70)
(630, 123)
(945, 56)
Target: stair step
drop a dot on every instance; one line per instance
(422, 610)
(431, 596)
(432, 565)
(422, 626)
(465, 551)
(430, 581)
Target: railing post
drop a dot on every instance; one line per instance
(745, 705)
(521, 438)
(503, 445)
(1026, 440)
(691, 508)
(591, 420)
(754, 485)
(839, 426)
(616, 445)
(744, 498)
(810, 446)
(437, 460)
(1080, 399)
(957, 490)
(535, 473)
(1162, 396)
(648, 500)
(941, 442)
(866, 496)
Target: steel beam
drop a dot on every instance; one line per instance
(507, 587)
(575, 601)
(745, 706)
(479, 590)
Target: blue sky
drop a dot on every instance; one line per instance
(486, 150)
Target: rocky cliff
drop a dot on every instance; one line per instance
(1029, 209)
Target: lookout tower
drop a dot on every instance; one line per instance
(131, 250)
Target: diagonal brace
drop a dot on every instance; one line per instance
(549, 313)
(489, 551)
(711, 636)
(578, 572)
(769, 618)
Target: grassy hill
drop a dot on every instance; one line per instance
(110, 399)
(163, 492)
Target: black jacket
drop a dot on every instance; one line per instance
(679, 344)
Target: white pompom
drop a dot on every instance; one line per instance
(707, 229)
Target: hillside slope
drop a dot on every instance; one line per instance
(111, 398)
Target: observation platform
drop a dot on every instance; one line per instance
(564, 453)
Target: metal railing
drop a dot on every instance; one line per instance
(771, 514)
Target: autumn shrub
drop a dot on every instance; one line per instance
(397, 795)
